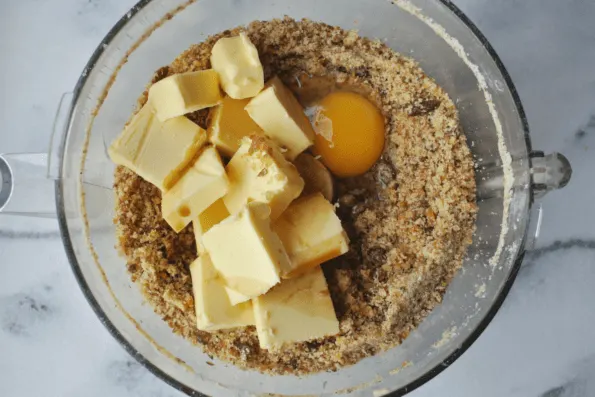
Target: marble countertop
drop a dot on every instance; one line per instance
(539, 345)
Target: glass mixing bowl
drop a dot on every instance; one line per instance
(448, 47)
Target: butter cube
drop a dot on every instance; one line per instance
(213, 215)
(296, 310)
(229, 123)
(311, 233)
(157, 151)
(213, 308)
(236, 60)
(236, 297)
(246, 252)
(280, 115)
(200, 186)
(259, 172)
(184, 93)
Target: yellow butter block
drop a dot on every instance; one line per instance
(184, 93)
(214, 311)
(297, 310)
(213, 215)
(280, 115)
(236, 297)
(229, 123)
(246, 252)
(259, 172)
(157, 151)
(311, 233)
(236, 60)
(203, 183)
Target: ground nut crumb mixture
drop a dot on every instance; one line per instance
(410, 218)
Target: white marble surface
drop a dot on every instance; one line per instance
(539, 344)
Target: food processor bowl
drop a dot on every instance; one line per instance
(449, 48)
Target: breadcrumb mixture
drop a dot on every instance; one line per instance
(410, 218)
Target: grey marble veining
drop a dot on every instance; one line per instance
(539, 344)
(558, 245)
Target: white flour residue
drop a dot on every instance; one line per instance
(508, 179)
(447, 335)
(362, 386)
(405, 364)
(480, 292)
(380, 392)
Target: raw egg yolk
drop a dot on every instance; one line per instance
(349, 133)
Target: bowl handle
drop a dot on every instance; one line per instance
(549, 172)
(27, 180)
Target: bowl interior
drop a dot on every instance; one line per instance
(472, 295)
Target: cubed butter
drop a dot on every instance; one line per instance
(311, 233)
(157, 151)
(213, 215)
(236, 297)
(236, 60)
(184, 93)
(203, 183)
(280, 115)
(214, 311)
(229, 123)
(259, 172)
(246, 252)
(297, 310)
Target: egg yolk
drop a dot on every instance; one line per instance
(349, 133)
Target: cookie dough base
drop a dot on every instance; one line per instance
(410, 218)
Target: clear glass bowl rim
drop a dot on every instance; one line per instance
(66, 240)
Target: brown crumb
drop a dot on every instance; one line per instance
(410, 218)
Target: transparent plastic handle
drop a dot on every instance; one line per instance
(549, 172)
(27, 180)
